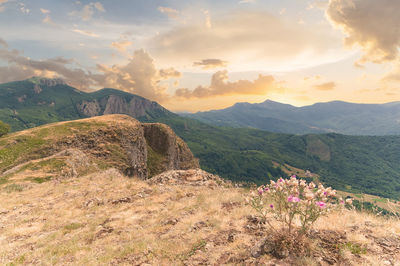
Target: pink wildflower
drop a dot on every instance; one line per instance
(321, 204)
(271, 206)
(293, 199)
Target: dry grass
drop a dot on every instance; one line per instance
(106, 218)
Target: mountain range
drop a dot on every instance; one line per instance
(330, 117)
(369, 164)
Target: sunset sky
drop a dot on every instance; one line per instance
(202, 55)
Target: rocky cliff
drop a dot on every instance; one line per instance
(88, 145)
(136, 107)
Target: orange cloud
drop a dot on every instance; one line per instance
(168, 73)
(121, 46)
(372, 25)
(86, 33)
(139, 75)
(221, 86)
(170, 12)
(210, 63)
(325, 86)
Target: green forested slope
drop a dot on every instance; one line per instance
(367, 164)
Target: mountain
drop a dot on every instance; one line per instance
(368, 164)
(37, 101)
(339, 117)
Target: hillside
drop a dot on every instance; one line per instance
(37, 101)
(179, 218)
(359, 164)
(339, 117)
(72, 149)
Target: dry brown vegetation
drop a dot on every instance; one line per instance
(180, 218)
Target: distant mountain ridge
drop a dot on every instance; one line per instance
(336, 116)
(37, 101)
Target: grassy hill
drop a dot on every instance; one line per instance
(77, 148)
(105, 218)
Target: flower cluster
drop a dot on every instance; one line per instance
(294, 201)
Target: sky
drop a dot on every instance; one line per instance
(200, 55)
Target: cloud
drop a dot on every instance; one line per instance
(317, 77)
(20, 67)
(393, 75)
(23, 8)
(87, 12)
(246, 1)
(3, 42)
(207, 18)
(47, 19)
(321, 4)
(240, 38)
(210, 63)
(170, 12)
(221, 86)
(325, 86)
(2, 2)
(121, 46)
(168, 73)
(372, 25)
(86, 33)
(99, 6)
(45, 11)
(139, 75)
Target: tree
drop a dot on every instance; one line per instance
(4, 128)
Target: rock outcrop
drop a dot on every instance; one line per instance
(89, 108)
(192, 177)
(163, 141)
(40, 82)
(136, 107)
(50, 82)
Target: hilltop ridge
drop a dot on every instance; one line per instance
(79, 147)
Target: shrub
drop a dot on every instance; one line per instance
(292, 201)
(4, 128)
